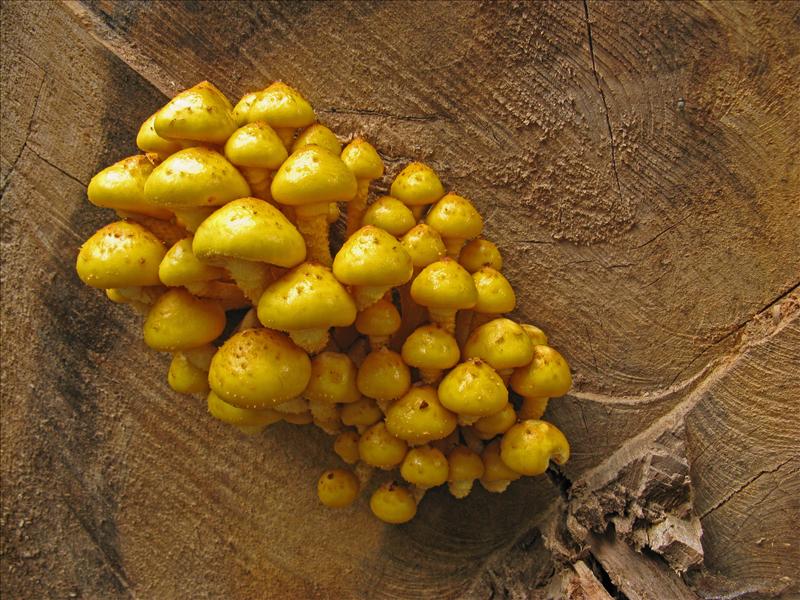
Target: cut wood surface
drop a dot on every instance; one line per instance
(637, 163)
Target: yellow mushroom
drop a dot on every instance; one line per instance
(495, 296)
(166, 231)
(318, 135)
(284, 108)
(378, 321)
(456, 220)
(393, 504)
(180, 267)
(480, 253)
(372, 262)
(418, 417)
(179, 321)
(488, 427)
(465, 466)
(257, 151)
(379, 448)
(309, 180)
(241, 112)
(503, 344)
(120, 255)
(346, 447)
(528, 447)
(425, 246)
(202, 113)
(304, 418)
(306, 303)
(121, 187)
(147, 140)
(326, 416)
(383, 376)
(417, 186)
(391, 215)
(186, 378)
(249, 421)
(532, 408)
(259, 368)
(332, 383)
(366, 164)
(473, 389)
(425, 467)
(295, 406)
(546, 376)
(361, 414)
(337, 488)
(246, 236)
(538, 337)
(432, 350)
(444, 287)
(496, 474)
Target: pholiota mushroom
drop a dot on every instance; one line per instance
(480, 253)
(456, 220)
(121, 187)
(473, 389)
(392, 216)
(378, 321)
(284, 108)
(337, 488)
(465, 466)
(257, 151)
(444, 287)
(503, 344)
(202, 114)
(432, 350)
(528, 447)
(393, 503)
(366, 164)
(417, 186)
(179, 321)
(418, 417)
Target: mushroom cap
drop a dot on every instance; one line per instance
(318, 135)
(372, 257)
(234, 415)
(391, 215)
(201, 113)
(494, 469)
(201, 356)
(307, 297)
(538, 337)
(121, 187)
(444, 284)
(346, 447)
(313, 175)
(455, 217)
(181, 267)
(241, 112)
(495, 294)
(259, 368)
(416, 185)
(364, 412)
(186, 378)
(333, 379)
(383, 375)
(500, 422)
(249, 229)
(362, 159)
(501, 343)
(546, 376)
(418, 417)
(256, 145)
(465, 465)
(282, 106)
(480, 253)
(527, 447)
(424, 245)
(379, 448)
(337, 488)
(431, 347)
(393, 504)
(424, 467)
(195, 177)
(121, 254)
(381, 318)
(179, 321)
(473, 388)
(147, 140)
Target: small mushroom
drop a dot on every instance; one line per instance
(538, 337)
(473, 390)
(379, 448)
(332, 383)
(361, 414)
(257, 151)
(186, 378)
(346, 447)
(425, 246)
(456, 220)
(532, 408)
(308, 181)
(318, 135)
(247, 420)
(418, 417)
(528, 447)
(546, 376)
(488, 427)
(432, 350)
(202, 113)
(391, 215)
(417, 186)
(480, 253)
(378, 321)
(383, 376)
(147, 140)
(121, 187)
(179, 321)
(495, 296)
(337, 488)
(259, 368)
(241, 112)
(372, 262)
(444, 287)
(180, 267)
(393, 504)
(306, 302)
(425, 467)
(326, 416)
(284, 108)
(366, 164)
(465, 466)
(503, 344)
(496, 474)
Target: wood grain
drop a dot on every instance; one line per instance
(638, 165)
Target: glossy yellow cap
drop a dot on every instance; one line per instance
(372, 257)
(362, 159)
(119, 255)
(333, 379)
(444, 284)
(346, 447)
(391, 215)
(501, 343)
(464, 464)
(181, 267)
(418, 417)
(195, 177)
(488, 427)
(256, 145)
(480, 253)
(473, 388)
(379, 448)
(362, 413)
(318, 135)
(186, 378)
(179, 321)
(424, 245)
(416, 185)
(528, 447)
(546, 376)
(379, 319)
(282, 106)
(431, 347)
(147, 140)
(259, 368)
(538, 337)
(496, 474)
(313, 175)
(234, 415)
(337, 488)
(393, 504)
(249, 229)
(241, 112)
(455, 217)
(201, 113)
(383, 375)
(121, 187)
(424, 467)
(495, 294)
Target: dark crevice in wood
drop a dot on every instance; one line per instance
(28, 133)
(59, 169)
(362, 112)
(603, 577)
(559, 480)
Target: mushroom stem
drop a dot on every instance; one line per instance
(251, 277)
(532, 408)
(249, 321)
(259, 180)
(190, 218)
(418, 493)
(453, 246)
(229, 295)
(418, 210)
(358, 351)
(430, 376)
(471, 441)
(310, 340)
(445, 317)
(286, 134)
(496, 487)
(326, 416)
(356, 207)
(505, 374)
(460, 489)
(367, 295)
(312, 222)
(363, 473)
(376, 342)
(295, 406)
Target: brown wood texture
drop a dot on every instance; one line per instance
(638, 165)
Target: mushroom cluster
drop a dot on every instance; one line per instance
(396, 344)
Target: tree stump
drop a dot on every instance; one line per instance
(638, 165)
